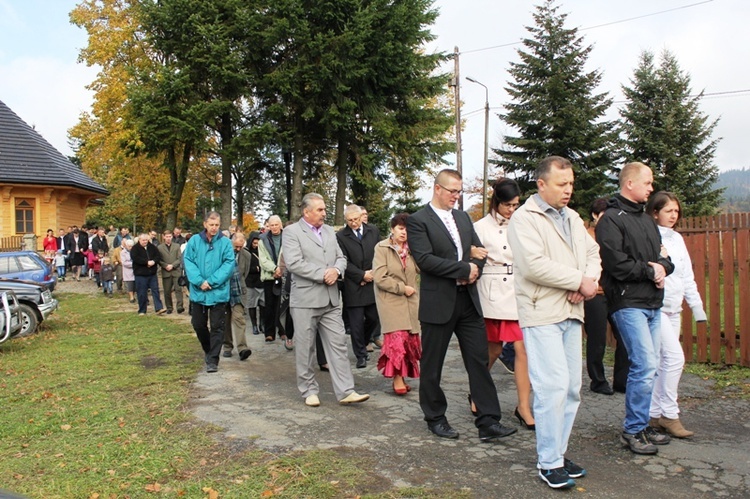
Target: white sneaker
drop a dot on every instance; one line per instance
(312, 401)
(354, 398)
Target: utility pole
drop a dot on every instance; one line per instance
(486, 141)
(456, 84)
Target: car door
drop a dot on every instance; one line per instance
(21, 267)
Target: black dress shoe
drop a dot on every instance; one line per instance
(603, 388)
(443, 430)
(245, 354)
(618, 389)
(495, 431)
(361, 363)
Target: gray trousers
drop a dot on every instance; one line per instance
(235, 333)
(169, 284)
(328, 322)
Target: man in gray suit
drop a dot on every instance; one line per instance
(316, 263)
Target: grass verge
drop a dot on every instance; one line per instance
(94, 407)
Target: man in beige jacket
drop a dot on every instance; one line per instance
(557, 267)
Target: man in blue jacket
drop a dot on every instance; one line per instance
(209, 264)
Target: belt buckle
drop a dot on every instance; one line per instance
(509, 268)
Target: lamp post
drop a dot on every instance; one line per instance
(486, 141)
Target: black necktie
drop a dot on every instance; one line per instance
(359, 234)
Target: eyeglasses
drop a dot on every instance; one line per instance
(453, 192)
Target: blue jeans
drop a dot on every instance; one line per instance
(639, 328)
(555, 364)
(107, 287)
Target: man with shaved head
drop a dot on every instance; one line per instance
(634, 269)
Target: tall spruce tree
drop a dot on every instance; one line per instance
(664, 128)
(556, 111)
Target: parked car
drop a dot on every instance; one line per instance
(11, 322)
(28, 266)
(35, 301)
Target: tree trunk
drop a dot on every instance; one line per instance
(225, 133)
(341, 164)
(177, 178)
(294, 210)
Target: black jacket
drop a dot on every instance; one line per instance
(628, 239)
(99, 244)
(436, 256)
(359, 255)
(141, 256)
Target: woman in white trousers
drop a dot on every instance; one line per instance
(679, 286)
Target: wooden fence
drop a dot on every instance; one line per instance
(11, 243)
(720, 249)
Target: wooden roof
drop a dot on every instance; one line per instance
(26, 158)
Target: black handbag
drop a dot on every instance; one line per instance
(182, 280)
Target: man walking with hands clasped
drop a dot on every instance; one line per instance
(440, 238)
(557, 267)
(209, 263)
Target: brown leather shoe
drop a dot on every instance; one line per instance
(654, 423)
(674, 427)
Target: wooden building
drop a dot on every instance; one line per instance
(40, 188)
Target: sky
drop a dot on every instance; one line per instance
(42, 81)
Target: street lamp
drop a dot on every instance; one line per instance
(486, 141)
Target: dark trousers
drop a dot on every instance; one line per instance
(319, 352)
(472, 338)
(271, 310)
(362, 322)
(596, 344)
(595, 311)
(142, 284)
(211, 338)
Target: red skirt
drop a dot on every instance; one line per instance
(501, 331)
(400, 355)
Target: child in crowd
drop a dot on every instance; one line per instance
(97, 267)
(106, 275)
(59, 262)
(89, 258)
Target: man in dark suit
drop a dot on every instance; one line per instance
(441, 240)
(357, 242)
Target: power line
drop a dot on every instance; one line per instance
(597, 26)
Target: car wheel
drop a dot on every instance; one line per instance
(29, 320)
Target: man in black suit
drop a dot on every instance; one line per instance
(357, 242)
(441, 240)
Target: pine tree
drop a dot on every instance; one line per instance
(664, 128)
(556, 110)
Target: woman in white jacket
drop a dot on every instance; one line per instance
(497, 293)
(679, 286)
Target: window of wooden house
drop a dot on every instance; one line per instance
(25, 216)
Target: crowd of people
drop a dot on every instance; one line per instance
(520, 285)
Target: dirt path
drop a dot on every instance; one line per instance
(257, 401)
